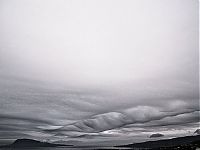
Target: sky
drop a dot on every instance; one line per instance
(98, 71)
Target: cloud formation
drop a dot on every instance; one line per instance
(57, 115)
(99, 71)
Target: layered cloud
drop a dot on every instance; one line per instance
(98, 71)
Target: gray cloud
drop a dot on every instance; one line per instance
(58, 115)
(114, 120)
(98, 70)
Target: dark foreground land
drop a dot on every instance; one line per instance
(181, 143)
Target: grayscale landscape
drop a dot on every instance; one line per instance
(99, 74)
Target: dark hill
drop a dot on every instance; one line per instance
(32, 143)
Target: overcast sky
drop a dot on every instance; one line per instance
(98, 70)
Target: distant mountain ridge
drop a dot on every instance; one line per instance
(31, 143)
